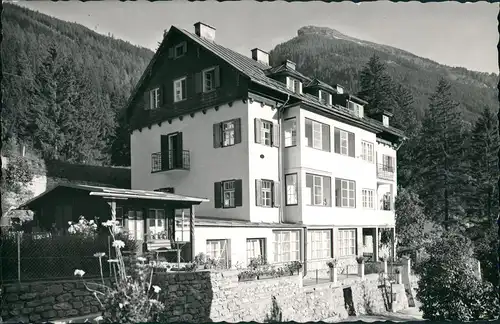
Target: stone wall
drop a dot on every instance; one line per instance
(42, 301)
(218, 296)
(206, 296)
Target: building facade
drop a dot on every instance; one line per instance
(292, 167)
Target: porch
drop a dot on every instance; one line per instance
(161, 223)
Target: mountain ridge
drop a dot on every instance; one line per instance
(334, 57)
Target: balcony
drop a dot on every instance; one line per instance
(170, 160)
(385, 172)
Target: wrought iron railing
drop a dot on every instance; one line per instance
(385, 171)
(170, 160)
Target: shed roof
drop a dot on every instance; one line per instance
(120, 194)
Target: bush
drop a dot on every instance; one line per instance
(449, 288)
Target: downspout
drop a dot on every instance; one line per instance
(280, 158)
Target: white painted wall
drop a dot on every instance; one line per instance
(208, 164)
(261, 168)
(304, 160)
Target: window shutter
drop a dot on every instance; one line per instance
(197, 83)
(258, 130)
(336, 140)
(184, 89)
(217, 135)
(352, 144)
(237, 130)
(276, 194)
(258, 192)
(171, 53)
(146, 100)
(338, 195)
(217, 76)
(179, 150)
(309, 133)
(276, 135)
(184, 47)
(160, 95)
(325, 133)
(218, 194)
(238, 193)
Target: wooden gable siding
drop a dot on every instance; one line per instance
(233, 85)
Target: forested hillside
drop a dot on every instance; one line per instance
(336, 58)
(64, 85)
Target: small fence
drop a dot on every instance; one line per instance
(46, 256)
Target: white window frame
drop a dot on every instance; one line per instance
(228, 194)
(347, 193)
(228, 133)
(211, 72)
(290, 129)
(388, 163)
(256, 247)
(290, 84)
(367, 149)
(291, 183)
(178, 87)
(154, 98)
(344, 142)
(319, 244)
(346, 242)
(157, 224)
(317, 130)
(218, 249)
(266, 130)
(266, 194)
(286, 246)
(368, 198)
(317, 184)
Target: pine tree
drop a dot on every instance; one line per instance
(405, 118)
(441, 156)
(376, 87)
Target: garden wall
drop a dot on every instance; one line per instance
(218, 296)
(42, 301)
(213, 296)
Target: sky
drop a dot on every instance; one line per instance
(450, 33)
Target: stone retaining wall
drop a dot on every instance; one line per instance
(218, 296)
(42, 301)
(213, 296)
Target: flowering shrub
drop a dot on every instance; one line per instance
(83, 227)
(132, 298)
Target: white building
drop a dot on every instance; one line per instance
(292, 167)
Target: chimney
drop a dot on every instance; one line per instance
(260, 56)
(340, 89)
(205, 31)
(289, 64)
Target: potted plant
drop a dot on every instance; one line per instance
(361, 266)
(333, 264)
(294, 267)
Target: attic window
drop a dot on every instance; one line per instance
(325, 97)
(154, 98)
(180, 50)
(294, 85)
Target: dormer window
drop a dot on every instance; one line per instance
(294, 85)
(356, 109)
(325, 97)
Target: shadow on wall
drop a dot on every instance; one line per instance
(187, 296)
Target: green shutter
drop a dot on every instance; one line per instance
(258, 192)
(217, 76)
(352, 144)
(338, 195)
(258, 130)
(276, 194)
(238, 193)
(237, 130)
(198, 83)
(336, 140)
(218, 194)
(217, 135)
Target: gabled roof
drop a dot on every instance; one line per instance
(318, 83)
(120, 193)
(258, 73)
